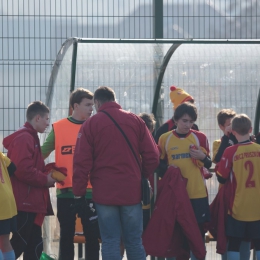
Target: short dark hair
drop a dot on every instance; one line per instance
(185, 108)
(104, 94)
(241, 124)
(78, 94)
(149, 120)
(225, 114)
(36, 108)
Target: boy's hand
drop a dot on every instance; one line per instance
(85, 210)
(50, 180)
(162, 168)
(58, 176)
(252, 138)
(228, 130)
(197, 153)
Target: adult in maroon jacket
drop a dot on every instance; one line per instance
(30, 183)
(115, 174)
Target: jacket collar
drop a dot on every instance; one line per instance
(107, 105)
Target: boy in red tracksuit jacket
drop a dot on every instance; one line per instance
(30, 182)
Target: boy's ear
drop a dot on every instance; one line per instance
(37, 117)
(234, 133)
(74, 106)
(250, 130)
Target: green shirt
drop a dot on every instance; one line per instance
(47, 148)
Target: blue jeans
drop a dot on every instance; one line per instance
(116, 222)
(244, 251)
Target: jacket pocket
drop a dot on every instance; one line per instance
(26, 199)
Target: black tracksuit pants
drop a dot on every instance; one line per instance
(67, 221)
(28, 237)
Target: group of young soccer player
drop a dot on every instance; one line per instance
(237, 167)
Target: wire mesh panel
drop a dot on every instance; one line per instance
(31, 33)
(211, 19)
(127, 68)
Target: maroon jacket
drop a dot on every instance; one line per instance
(102, 150)
(29, 183)
(218, 216)
(173, 220)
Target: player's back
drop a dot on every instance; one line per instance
(245, 179)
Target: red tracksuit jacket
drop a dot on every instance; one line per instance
(218, 216)
(173, 220)
(29, 182)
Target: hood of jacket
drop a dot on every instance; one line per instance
(26, 128)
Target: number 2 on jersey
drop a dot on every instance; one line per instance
(250, 168)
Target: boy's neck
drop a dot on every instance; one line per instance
(77, 117)
(32, 123)
(242, 138)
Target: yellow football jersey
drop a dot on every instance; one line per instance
(240, 164)
(216, 145)
(7, 200)
(176, 150)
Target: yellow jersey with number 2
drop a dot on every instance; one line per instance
(240, 164)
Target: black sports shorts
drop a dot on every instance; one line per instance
(242, 229)
(8, 226)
